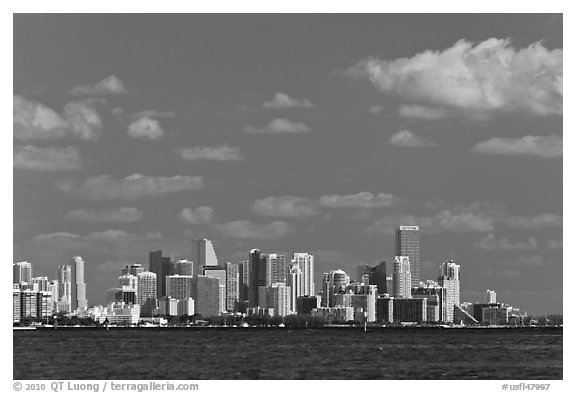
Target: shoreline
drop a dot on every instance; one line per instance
(369, 328)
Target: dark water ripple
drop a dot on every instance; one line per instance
(199, 354)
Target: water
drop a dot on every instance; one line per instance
(251, 353)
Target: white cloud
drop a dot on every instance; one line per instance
(197, 216)
(422, 112)
(218, 153)
(540, 146)
(463, 222)
(362, 200)
(406, 138)
(283, 101)
(554, 244)
(375, 109)
(285, 206)
(490, 243)
(49, 158)
(106, 187)
(278, 126)
(146, 128)
(118, 236)
(33, 120)
(491, 75)
(114, 215)
(546, 220)
(95, 240)
(109, 85)
(527, 261)
(154, 113)
(244, 229)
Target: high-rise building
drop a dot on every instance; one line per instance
(334, 283)
(260, 274)
(147, 293)
(134, 269)
(376, 275)
(205, 255)
(232, 286)
(450, 279)
(436, 297)
(22, 272)
(218, 272)
(184, 267)
(408, 244)
(306, 263)
(163, 267)
(410, 310)
(401, 277)
(277, 263)
(490, 296)
(78, 293)
(64, 274)
(244, 281)
(295, 284)
(205, 292)
(179, 287)
(279, 299)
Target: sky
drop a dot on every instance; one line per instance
(293, 133)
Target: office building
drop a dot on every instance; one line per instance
(184, 267)
(334, 283)
(78, 293)
(21, 272)
(64, 275)
(363, 300)
(179, 287)
(496, 316)
(147, 293)
(244, 281)
(384, 309)
(120, 313)
(402, 278)
(277, 263)
(125, 294)
(376, 276)
(205, 255)
(478, 310)
(431, 290)
(450, 279)
(409, 310)
(205, 292)
(129, 282)
(218, 272)
(334, 315)
(305, 304)
(276, 297)
(163, 267)
(295, 283)
(232, 286)
(408, 244)
(260, 274)
(490, 296)
(306, 263)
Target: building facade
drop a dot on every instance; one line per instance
(408, 244)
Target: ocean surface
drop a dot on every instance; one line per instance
(254, 353)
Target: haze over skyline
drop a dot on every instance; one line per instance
(293, 133)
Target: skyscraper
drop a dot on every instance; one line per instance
(450, 279)
(205, 255)
(277, 262)
(408, 244)
(179, 287)
(260, 274)
(205, 292)
(376, 275)
(218, 272)
(295, 284)
(244, 281)
(147, 293)
(334, 283)
(64, 301)
(134, 269)
(78, 285)
(490, 296)
(129, 283)
(184, 267)
(21, 271)
(232, 286)
(162, 266)
(306, 262)
(401, 277)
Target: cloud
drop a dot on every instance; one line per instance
(49, 158)
(463, 222)
(490, 243)
(491, 75)
(362, 200)
(540, 146)
(285, 206)
(198, 216)
(146, 128)
(118, 236)
(375, 109)
(106, 187)
(546, 220)
(244, 229)
(101, 241)
(279, 126)
(154, 113)
(406, 138)
(114, 215)
(527, 261)
(109, 85)
(33, 120)
(554, 244)
(283, 101)
(218, 153)
(422, 112)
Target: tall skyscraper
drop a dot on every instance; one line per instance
(147, 293)
(21, 271)
(64, 275)
(295, 284)
(260, 274)
(205, 292)
(450, 279)
(408, 244)
(279, 268)
(401, 277)
(184, 267)
(218, 272)
(232, 286)
(179, 287)
(490, 296)
(334, 283)
(376, 275)
(205, 255)
(163, 267)
(306, 262)
(78, 285)
(244, 281)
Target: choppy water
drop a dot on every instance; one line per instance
(251, 353)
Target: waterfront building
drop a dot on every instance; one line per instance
(334, 283)
(163, 267)
(496, 316)
(39, 283)
(376, 275)
(168, 306)
(385, 309)
(129, 282)
(477, 310)
(490, 296)
(305, 304)
(125, 294)
(295, 283)
(16, 305)
(121, 313)
(260, 274)
(402, 278)
(78, 293)
(279, 299)
(31, 304)
(277, 263)
(363, 300)
(306, 263)
(334, 314)
(147, 293)
(431, 290)
(179, 287)
(205, 292)
(244, 281)
(232, 286)
(218, 272)
(409, 310)
(21, 272)
(64, 301)
(450, 279)
(205, 255)
(408, 244)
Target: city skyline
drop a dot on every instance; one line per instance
(305, 139)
